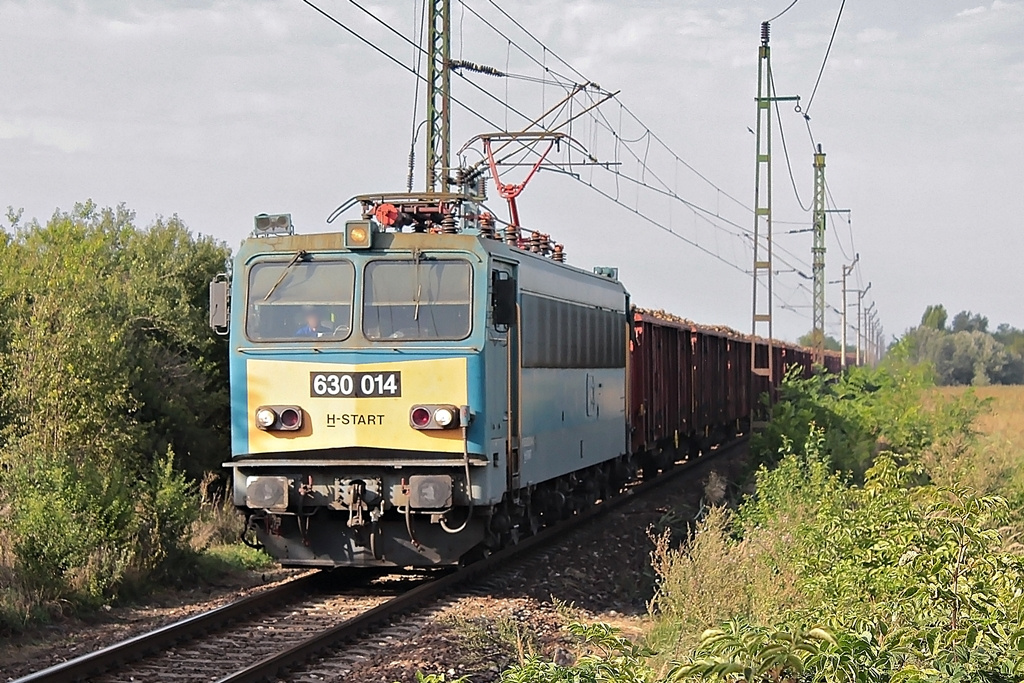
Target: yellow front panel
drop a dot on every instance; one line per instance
(338, 422)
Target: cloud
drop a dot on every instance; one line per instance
(876, 35)
(997, 6)
(46, 134)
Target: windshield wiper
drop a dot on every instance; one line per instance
(299, 255)
(419, 286)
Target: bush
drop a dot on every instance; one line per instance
(901, 579)
(111, 386)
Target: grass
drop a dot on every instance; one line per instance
(485, 640)
(213, 553)
(219, 560)
(754, 577)
(995, 463)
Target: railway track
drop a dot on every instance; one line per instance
(260, 636)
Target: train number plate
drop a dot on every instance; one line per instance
(355, 384)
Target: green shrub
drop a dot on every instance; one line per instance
(902, 579)
(605, 656)
(107, 370)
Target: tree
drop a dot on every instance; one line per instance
(109, 378)
(1010, 337)
(965, 321)
(934, 317)
(831, 343)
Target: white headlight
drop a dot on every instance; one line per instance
(443, 416)
(265, 417)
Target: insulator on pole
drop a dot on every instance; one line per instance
(487, 225)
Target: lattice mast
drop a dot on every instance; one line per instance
(438, 96)
(818, 254)
(762, 274)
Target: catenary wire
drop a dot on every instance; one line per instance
(788, 7)
(824, 61)
(483, 118)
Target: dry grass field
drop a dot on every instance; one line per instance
(996, 462)
(1006, 419)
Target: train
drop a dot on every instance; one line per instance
(420, 388)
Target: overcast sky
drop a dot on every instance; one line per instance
(219, 110)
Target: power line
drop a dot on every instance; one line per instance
(785, 149)
(699, 211)
(416, 96)
(648, 133)
(657, 224)
(788, 7)
(824, 61)
(404, 66)
(566, 83)
(646, 136)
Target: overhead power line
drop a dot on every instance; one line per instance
(824, 61)
(659, 186)
(788, 7)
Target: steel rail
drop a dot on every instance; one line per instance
(296, 655)
(94, 663)
(112, 656)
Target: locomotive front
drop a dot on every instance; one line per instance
(358, 398)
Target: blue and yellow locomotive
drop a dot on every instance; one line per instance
(405, 393)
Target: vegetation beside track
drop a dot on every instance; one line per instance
(113, 402)
(880, 544)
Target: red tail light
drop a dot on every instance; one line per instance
(420, 417)
(290, 418)
(279, 418)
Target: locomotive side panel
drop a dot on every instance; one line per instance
(573, 375)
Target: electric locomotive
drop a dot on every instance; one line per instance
(405, 393)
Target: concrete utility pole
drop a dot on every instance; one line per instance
(860, 298)
(867, 315)
(869, 345)
(876, 349)
(846, 272)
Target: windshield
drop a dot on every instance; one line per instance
(299, 301)
(425, 299)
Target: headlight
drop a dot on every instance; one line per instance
(279, 418)
(443, 416)
(265, 418)
(435, 416)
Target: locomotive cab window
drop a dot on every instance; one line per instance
(424, 299)
(299, 300)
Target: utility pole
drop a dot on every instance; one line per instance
(438, 96)
(864, 339)
(846, 272)
(876, 351)
(761, 324)
(818, 253)
(860, 298)
(869, 344)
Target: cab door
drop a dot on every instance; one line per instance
(504, 370)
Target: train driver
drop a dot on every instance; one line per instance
(313, 326)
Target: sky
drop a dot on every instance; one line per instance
(216, 110)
